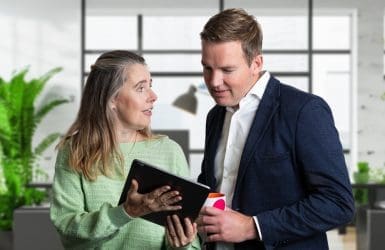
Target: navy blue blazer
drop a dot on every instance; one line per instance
(292, 174)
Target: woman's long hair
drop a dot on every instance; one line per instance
(92, 139)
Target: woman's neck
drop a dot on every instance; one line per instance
(127, 136)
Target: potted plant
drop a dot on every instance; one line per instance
(361, 177)
(18, 159)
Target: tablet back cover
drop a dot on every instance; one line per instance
(151, 177)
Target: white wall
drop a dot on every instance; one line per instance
(44, 34)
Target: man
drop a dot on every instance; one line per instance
(272, 149)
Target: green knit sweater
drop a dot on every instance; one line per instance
(86, 214)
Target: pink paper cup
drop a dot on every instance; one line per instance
(217, 200)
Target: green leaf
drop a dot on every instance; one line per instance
(18, 122)
(45, 143)
(42, 112)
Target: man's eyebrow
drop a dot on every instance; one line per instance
(228, 67)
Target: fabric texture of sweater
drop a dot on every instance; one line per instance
(86, 214)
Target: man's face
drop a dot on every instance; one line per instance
(227, 74)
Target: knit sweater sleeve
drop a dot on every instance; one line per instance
(77, 227)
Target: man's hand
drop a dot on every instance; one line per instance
(226, 226)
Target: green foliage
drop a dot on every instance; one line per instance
(18, 159)
(363, 167)
(361, 196)
(361, 176)
(377, 175)
(365, 174)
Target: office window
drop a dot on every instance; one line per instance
(172, 32)
(286, 62)
(111, 32)
(171, 46)
(332, 71)
(332, 74)
(284, 32)
(174, 62)
(332, 32)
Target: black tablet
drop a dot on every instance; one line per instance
(151, 177)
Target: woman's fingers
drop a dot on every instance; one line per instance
(191, 228)
(162, 199)
(158, 192)
(132, 205)
(133, 188)
(178, 234)
(171, 233)
(170, 198)
(178, 227)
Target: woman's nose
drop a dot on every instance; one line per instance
(153, 97)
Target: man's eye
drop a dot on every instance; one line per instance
(206, 68)
(141, 89)
(227, 71)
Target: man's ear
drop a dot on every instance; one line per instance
(257, 64)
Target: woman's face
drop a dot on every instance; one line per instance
(134, 102)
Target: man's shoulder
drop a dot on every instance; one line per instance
(288, 91)
(292, 97)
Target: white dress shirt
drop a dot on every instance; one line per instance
(235, 130)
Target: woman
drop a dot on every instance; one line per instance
(112, 129)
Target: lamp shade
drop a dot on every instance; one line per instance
(187, 101)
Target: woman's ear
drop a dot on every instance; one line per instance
(112, 104)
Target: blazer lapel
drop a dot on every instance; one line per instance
(212, 143)
(267, 107)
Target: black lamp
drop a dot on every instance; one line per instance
(187, 101)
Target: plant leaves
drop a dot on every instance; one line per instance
(18, 121)
(45, 143)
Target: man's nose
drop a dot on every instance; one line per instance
(216, 79)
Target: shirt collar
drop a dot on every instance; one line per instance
(256, 91)
(259, 87)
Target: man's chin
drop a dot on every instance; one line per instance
(224, 103)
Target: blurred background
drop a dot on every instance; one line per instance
(332, 48)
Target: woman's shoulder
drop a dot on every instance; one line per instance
(163, 141)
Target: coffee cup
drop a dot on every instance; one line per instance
(217, 200)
